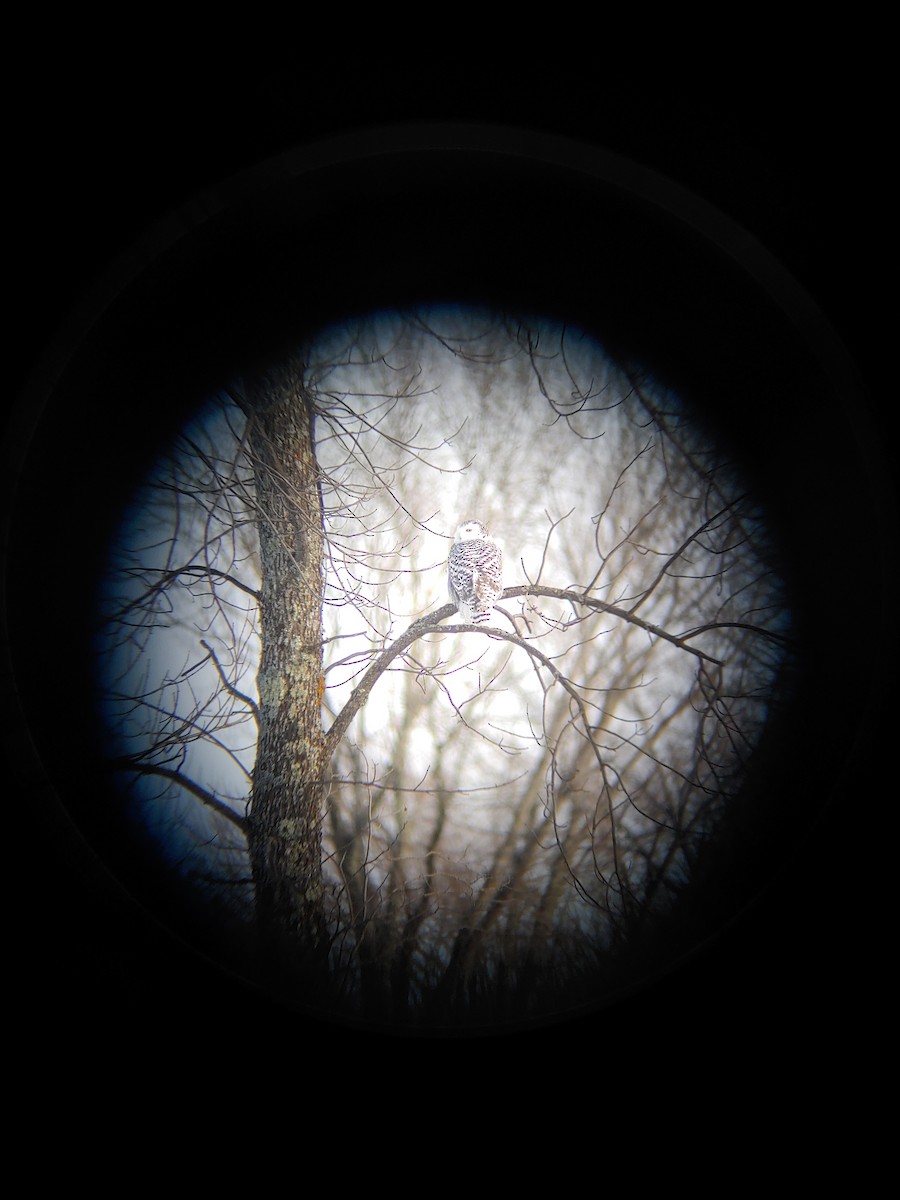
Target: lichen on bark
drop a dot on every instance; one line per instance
(287, 790)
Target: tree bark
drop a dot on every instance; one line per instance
(287, 790)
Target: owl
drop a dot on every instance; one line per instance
(474, 572)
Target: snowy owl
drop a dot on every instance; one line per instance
(474, 572)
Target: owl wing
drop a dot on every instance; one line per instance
(488, 577)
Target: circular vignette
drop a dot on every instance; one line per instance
(511, 218)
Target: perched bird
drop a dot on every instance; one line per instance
(474, 572)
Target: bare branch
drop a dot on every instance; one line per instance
(207, 798)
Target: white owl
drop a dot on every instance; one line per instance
(474, 572)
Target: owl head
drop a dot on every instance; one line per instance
(471, 531)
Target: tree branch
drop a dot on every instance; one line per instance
(601, 606)
(432, 624)
(228, 685)
(204, 796)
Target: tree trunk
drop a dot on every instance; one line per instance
(287, 793)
